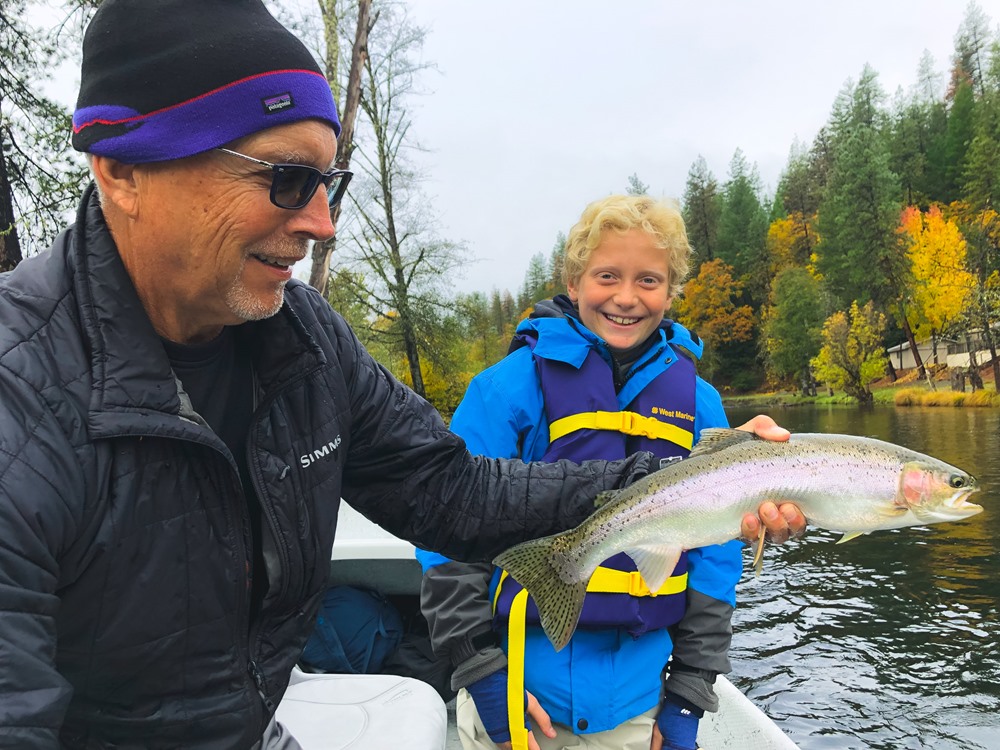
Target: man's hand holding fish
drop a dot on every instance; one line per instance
(780, 523)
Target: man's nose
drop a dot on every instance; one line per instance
(315, 219)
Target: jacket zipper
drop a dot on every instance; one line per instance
(270, 527)
(255, 672)
(258, 680)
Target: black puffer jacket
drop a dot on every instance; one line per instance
(124, 533)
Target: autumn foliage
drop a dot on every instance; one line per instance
(937, 255)
(709, 307)
(853, 354)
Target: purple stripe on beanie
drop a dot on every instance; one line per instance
(207, 121)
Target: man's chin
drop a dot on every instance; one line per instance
(248, 307)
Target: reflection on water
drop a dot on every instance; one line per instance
(891, 640)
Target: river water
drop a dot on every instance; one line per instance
(890, 640)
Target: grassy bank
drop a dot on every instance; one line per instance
(925, 397)
(906, 395)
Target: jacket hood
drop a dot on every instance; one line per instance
(560, 306)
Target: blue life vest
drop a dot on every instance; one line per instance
(585, 422)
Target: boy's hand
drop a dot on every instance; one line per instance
(676, 725)
(490, 696)
(540, 718)
(781, 524)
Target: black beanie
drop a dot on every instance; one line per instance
(165, 79)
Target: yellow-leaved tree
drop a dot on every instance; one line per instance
(853, 354)
(941, 282)
(790, 241)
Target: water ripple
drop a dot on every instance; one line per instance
(891, 640)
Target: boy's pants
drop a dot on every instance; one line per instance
(633, 734)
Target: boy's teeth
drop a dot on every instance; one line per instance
(621, 321)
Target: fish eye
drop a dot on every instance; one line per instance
(956, 480)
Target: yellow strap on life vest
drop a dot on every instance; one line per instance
(627, 422)
(496, 594)
(515, 671)
(609, 581)
(603, 581)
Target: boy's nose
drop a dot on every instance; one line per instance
(626, 296)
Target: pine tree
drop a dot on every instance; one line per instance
(860, 255)
(793, 325)
(743, 228)
(701, 212)
(981, 177)
(972, 43)
(961, 125)
(636, 186)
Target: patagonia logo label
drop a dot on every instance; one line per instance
(277, 103)
(322, 452)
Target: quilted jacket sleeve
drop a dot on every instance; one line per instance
(454, 596)
(408, 473)
(37, 466)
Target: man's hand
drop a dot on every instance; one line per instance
(780, 523)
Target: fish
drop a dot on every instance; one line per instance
(844, 483)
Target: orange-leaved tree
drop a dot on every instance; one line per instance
(709, 308)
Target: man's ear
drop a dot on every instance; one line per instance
(117, 183)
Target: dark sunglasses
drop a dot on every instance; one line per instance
(294, 185)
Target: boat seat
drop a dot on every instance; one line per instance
(362, 712)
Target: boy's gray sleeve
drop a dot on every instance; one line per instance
(454, 598)
(701, 650)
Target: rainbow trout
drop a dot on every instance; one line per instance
(840, 482)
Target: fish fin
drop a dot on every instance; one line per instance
(714, 439)
(559, 602)
(848, 536)
(758, 551)
(605, 497)
(655, 563)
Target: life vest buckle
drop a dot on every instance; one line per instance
(637, 586)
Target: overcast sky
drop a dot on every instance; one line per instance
(537, 108)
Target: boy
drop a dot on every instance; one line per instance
(597, 374)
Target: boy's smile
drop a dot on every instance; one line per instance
(623, 293)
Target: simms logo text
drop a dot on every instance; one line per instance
(309, 458)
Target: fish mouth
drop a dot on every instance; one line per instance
(959, 505)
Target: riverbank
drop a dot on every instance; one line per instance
(907, 390)
(901, 396)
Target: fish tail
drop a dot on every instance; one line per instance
(536, 566)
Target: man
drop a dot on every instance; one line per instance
(179, 418)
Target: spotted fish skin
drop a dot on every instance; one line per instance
(840, 482)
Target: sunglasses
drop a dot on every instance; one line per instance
(294, 185)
